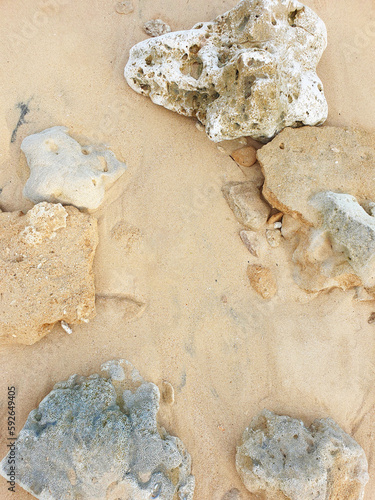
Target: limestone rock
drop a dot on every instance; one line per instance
(63, 171)
(245, 201)
(246, 157)
(281, 459)
(249, 72)
(98, 437)
(300, 163)
(351, 230)
(262, 280)
(156, 27)
(46, 272)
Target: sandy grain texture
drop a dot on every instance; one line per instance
(226, 352)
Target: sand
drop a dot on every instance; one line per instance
(227, 353)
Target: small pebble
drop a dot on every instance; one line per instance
(277, 225)
(66, 327)
(273, 237)
(125, 7)
(200, 126)
(167, 392)
(371, 319)
(275, 218)
(262, 280)
(156, 27)
(245, 157)
(251, 241)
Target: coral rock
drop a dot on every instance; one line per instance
(98, 437)
(62, 171)
(245, 201)
(249, 72)
(281, 459)
(299, 163)
(46, 272)
(262, 280)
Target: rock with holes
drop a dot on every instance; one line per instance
(98, 437)
(63, 171)
(46, 275)
(299, 163)
(249, 72)
(281, 459)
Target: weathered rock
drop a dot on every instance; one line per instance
(262, 280)
(46, 272)
(249, 72)
(299, 164)
(63, 171)
(245, 201)
(245, 157)
(156, 27)
(281, 459)
(98, 437)
(351, 230)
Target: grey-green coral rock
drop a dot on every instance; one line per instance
(98, 438)
(249, 72)
(282, 459)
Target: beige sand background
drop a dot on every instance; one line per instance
(227, 353)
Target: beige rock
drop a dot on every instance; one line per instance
(156, 27)
(262, 280)
(273, 237)
(281, 459)
(300, 163)
(46, 272)
(245, 157)
(251, 241)
(290, 226)
(249, 72)
(245, 201)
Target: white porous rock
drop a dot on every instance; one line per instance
(62, 171)
(249, 72)
(281, 459)
(351, 230)
(96, 438)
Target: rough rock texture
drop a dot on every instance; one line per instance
(262, 280)
(98, 438)
(249, 72)
(46, 272)
(351, 230)
(156, 27)
(245, 201)
(63, 171)
(283, 460)
(299, 164)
